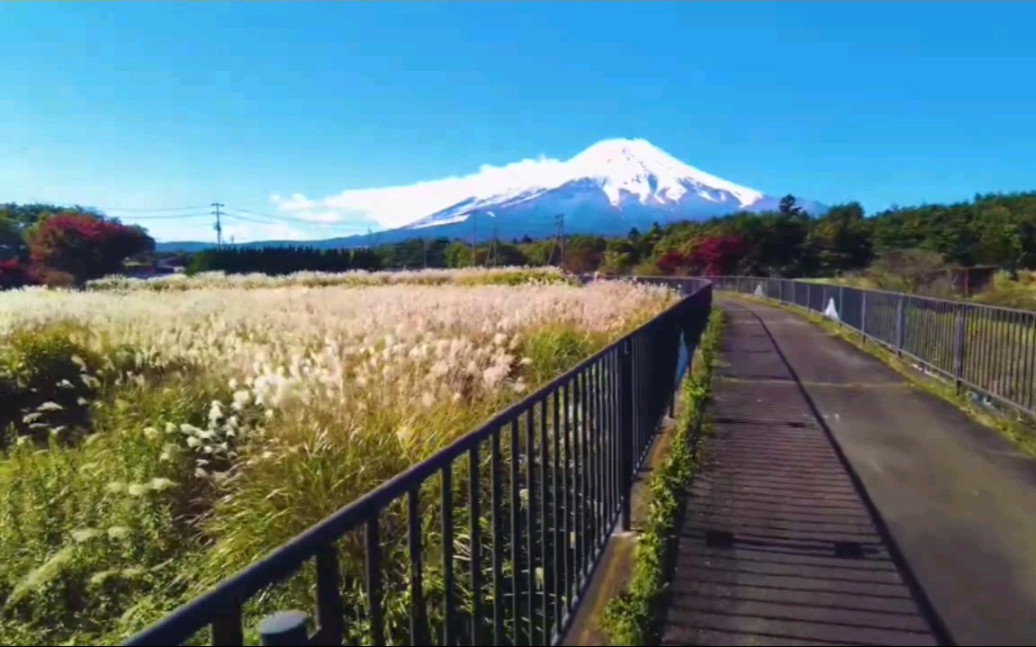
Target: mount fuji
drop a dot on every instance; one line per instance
(609, 188)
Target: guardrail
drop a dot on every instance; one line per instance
(494, 538)
(986, 349)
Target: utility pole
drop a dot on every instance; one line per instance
(561, 236)
(494, 246)
(219, 226)
(424, 251)
(370, 238)
(559, 240)
(474, 239)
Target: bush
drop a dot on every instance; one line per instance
(555, 350)
(1008, 293)
(85, 247)
(94, 539)
(47, 380)
(914, 271)
(13, 275)
(52, 278)
(646, 268)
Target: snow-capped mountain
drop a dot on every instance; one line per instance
(610, 187)
(607, 189)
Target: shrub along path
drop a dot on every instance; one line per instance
(840, 505)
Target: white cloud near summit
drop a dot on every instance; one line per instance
(401, 205)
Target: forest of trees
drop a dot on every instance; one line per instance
(995, 230)
(990, 229)
(282, 260)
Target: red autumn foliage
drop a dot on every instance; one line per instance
(711, 256)
(83, 247)
(718, 255)
(674, 263)
(12, 275)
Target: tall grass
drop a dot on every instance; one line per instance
(996, 351)
(1006, 292)
(157, 442)
(354, 278)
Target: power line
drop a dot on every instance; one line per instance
(493, 262)
(153, 209)
(263, 215)
(561, 235)
(559, 239)
(236, 216)
(163, 217)
(188, 208)
(272, 219)
(219, 226)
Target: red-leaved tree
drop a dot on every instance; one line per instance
(674, 263)
(84, 247)
(717, 255)
(12, 275)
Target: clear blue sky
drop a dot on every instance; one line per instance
(147, 105)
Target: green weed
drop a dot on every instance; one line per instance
(634, 616)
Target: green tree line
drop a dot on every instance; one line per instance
(991, 229)
(282, 260)
(996, 229)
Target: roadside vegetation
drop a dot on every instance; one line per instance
(156, 442)
(634, 617)
(925, 273)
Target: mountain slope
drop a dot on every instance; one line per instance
(610, 187)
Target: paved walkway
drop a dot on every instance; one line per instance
(839, 505)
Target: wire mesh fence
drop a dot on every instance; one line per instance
(988, 350)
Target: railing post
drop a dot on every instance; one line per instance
(626, 394)
(960, 315)
(863, 316)
(284, 628)
(841, 305)
(900, 321)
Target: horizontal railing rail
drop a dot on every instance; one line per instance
(491, 540)
(988, 350)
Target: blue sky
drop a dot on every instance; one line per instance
(153, 107)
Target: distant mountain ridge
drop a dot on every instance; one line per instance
(607, 189)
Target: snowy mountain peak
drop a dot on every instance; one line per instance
(638, 167)
(611, 186)
(606, 190)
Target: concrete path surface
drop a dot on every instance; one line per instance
(840, 505)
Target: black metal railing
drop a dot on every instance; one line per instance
(492, 540)
(988, 350)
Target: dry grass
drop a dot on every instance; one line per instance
(158, 440)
